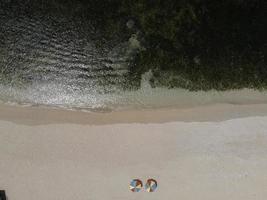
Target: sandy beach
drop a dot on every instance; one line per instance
(98, 95)
(212, 152)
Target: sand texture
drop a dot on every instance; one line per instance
(204, 160)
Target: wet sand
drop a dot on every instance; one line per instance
(214, 112)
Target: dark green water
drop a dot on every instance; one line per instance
(142, 54)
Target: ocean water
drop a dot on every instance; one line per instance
(45, 60)
(60, 62)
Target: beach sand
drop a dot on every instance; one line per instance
(204, 153)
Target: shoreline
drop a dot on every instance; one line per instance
(209, 113)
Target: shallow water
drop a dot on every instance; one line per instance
(55, 61)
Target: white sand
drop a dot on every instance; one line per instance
(224, 160)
